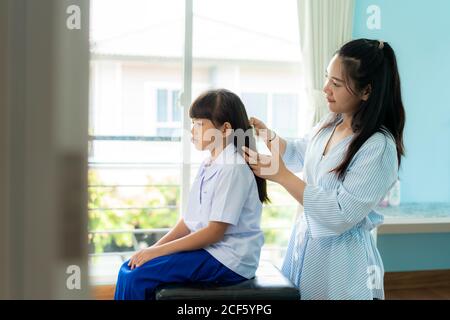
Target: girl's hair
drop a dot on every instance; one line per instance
(222, 106)
(371, 63)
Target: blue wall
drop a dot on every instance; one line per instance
(410, 252)
(419, 32)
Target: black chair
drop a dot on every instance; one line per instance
(268, 284)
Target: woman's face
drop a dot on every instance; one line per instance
(340, 98)
(204, 134)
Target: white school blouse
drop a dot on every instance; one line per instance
(225, 190)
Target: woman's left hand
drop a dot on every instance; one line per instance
(143, 256)
(270, 167)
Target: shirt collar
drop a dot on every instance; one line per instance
(226, 156)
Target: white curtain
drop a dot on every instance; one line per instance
(325, 25)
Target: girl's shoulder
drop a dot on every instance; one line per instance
(231, 164)
(237, 166)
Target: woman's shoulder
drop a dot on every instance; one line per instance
(380, 144)
(381, 138)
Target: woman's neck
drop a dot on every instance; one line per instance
(346, 123)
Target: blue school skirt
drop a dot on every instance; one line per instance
(183, 267)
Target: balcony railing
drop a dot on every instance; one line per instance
(268, 249)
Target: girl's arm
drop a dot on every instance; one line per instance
(202, 238)
(179, 231)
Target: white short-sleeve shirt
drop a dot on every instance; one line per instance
(225, 190)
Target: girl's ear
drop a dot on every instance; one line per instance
(227, 129)
(366, 93)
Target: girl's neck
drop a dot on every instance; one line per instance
(216, 151)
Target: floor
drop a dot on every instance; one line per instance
(441, 293)
(438, 293)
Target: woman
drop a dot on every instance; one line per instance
(350, 161)
(218, 238)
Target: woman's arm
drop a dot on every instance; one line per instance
(202, 238)
(179, 231)
(292, 152)
(293, 184)
(281, 143)
(374, 169)
(274, 169)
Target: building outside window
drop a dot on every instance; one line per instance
(135, 164)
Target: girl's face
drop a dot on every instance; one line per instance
(205, 136)
(340, 98)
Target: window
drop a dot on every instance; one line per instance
(256, 105)
(168, 113)
(282, 108)
(285, 114)
(176, 110)
(135, 128)
(235, 48)
(136, 170)
(162, 106)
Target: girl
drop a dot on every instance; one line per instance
(218, 239)
(350, 161)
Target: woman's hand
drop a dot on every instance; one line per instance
(273, 168)
(143, 256)
(261, 129)
(270, 167)
(258, 124)
(272, 140)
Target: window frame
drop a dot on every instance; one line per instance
(184, 101)
(270, 106)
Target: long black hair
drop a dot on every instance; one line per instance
(371, 64)
(222, 106)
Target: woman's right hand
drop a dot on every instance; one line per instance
(257, 124)
(262, 131)
(268, 136)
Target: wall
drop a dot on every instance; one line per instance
(419, 32)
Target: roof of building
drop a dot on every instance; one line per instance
(212, 39)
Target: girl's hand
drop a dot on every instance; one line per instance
(143, 256)
(270, 167)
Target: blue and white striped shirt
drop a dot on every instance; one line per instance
(331, 253)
